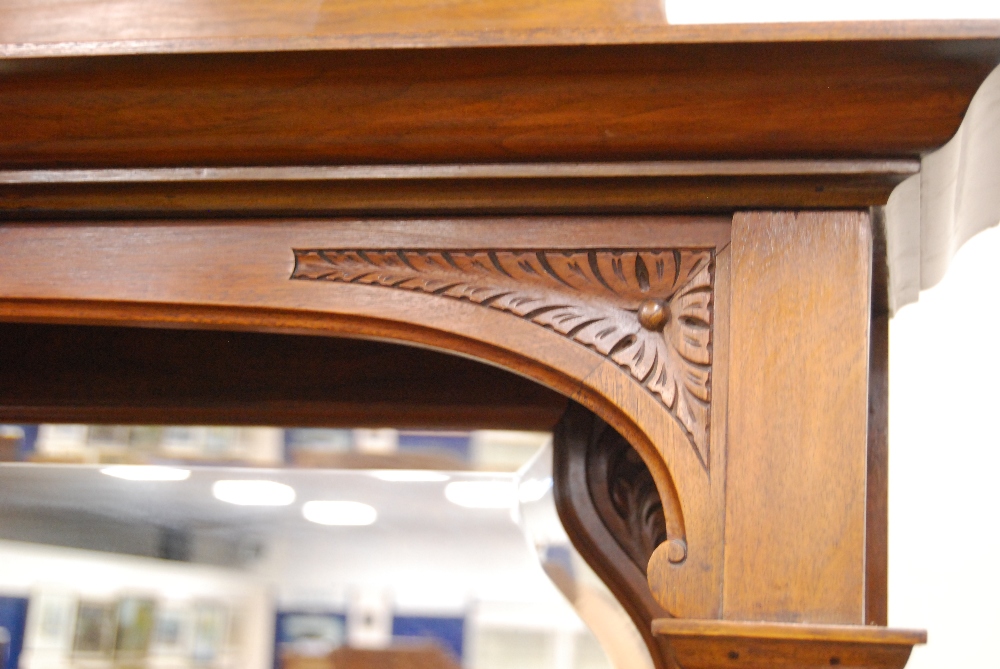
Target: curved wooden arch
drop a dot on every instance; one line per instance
(241, 275)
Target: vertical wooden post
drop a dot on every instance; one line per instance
(877, 513)
(798, 404)
(877, 517)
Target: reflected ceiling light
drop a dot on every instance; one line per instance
(482, 494)
(254, 493)
(533, 490)
(339, 513)
(410, 476)
(147, 473)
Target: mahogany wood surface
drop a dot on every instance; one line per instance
(559, 301)
(429, 172)
(798, 418)
(805, 632)
(84, 374)
(411, 190)
(697, 101)
(582, 443)
(877, 505)
(877, 513)
(61, 27)
(718, 644)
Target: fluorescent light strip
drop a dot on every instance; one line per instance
(147, 473)
(410, 476)
(482, 494)
(253, 492)
(329, 512)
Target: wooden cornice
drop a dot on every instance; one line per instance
(841, 99)
(456, 189)
(86, 28)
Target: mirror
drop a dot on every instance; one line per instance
(182, 547)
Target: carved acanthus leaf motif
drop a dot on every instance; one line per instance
(591, 297)
(625, 495)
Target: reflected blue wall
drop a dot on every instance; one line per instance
(448, 632)
(13, 613)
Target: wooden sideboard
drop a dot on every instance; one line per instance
(666, 242)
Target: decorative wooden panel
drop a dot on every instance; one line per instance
(649, 311)
(636, 334)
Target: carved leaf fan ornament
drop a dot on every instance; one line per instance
(649, 311)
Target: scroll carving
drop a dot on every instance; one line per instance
(608, 502)
(625, 496)
(649, 311)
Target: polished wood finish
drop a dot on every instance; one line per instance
(798, 418)
(245, 275)
(83, 374)
(877, 506)
(585, 497)
(516, 104)
(492, 180)
(715, 644)
(87, 27)
(877, 503)
(554, 188)
(648, 311)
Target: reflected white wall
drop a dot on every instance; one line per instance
(944, 459)
(781, 11)
(31, 570)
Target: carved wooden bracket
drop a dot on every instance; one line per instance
(648, 311)
(608, 503)
(625, 496)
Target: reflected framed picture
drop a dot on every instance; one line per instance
(94, 632)
(173, 631)
(136, 617)
(51, 616)
(211, 621)
(309, 634)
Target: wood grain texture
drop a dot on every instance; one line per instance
(63, 27)
(717, 644)
(150, 376)
(364, 173)
(796, 493)
(583, 188)
(877, 507)
(235, 275)
(664, 573)
(51, 21)
(764, 630)
(520, 104)
(649, 311)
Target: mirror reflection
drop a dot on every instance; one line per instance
(181, 547)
